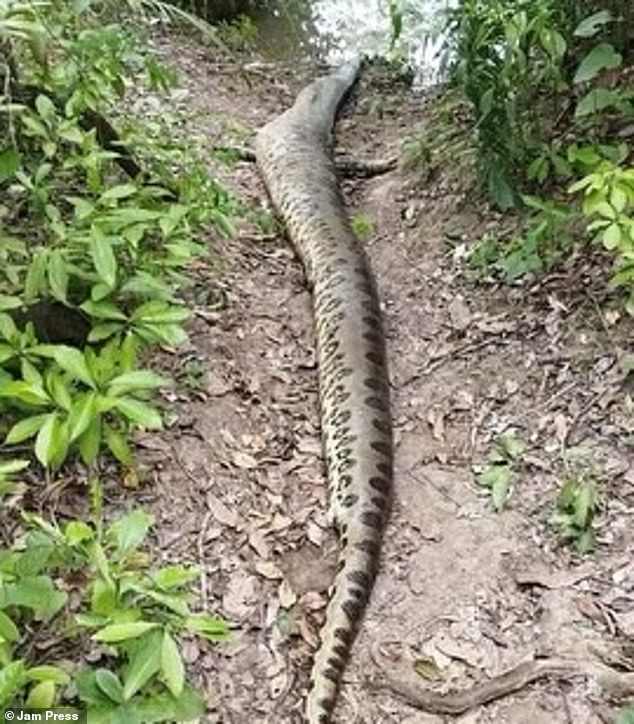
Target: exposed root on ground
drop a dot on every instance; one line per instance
(401, 679)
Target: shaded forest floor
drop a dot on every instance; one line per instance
(236, 481)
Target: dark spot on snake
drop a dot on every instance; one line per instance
(360, 578)
(345, 480)
(381, 485)
(374, 322)
(369, 546)
(380, 502)
(350, 500)
(343, 634)
(372, 519)
(331, 674)
(351, 608)
(382, 426)
(382, 447)
(385, 469)
(373, 338)
(376, 358)
(340, 650)
(376, 403)
(374, 383)
(335, 662)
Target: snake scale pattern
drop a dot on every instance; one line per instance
(293, 153)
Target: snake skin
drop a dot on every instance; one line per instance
(293, 155)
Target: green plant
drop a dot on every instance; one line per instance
(514, 61)
(8, 470)
(80, 400)
(626, 716)
(362, 226)
(239, 34)
(546, 239)
(576, 506)
(77, 235)
(498, 473)
(135, 615)
(608, 202)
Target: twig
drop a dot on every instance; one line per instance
(346, 166)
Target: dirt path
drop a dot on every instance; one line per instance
(238, 478)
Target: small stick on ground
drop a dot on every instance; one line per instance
(346, 166)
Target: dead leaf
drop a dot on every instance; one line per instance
(287, 596)
(269, 570)
(244, 460)
(222, 513)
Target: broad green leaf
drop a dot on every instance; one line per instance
(159, 312)
(25, 429)
(100, 332)
(58, 276)
(45, 107)
(601, 57)
(591, 25)
(37, 593)
(174, 602)
(9, 302)
(45, 442)
(145, 662)
(139, 412)
(612, 236)
(9, 163)
(136, 380)
(212, 628)
(172, 667)
(597, 100)
(171, 334)
(82, 415)
(12, 677)
(35, 282)
(124, 631)
(48, 673)
(110, 684)
(13, 466)
(77, 532)
(8, 630)
(41, 696)
(103, 310)
(8, 330)
(121, 191)
(118, 445)
(175, 576)
(89, 692)
(104, 259)
(90, 441)
(103, 601)
(71, 360)
(130, 530)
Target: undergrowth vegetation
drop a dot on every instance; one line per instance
(549, 88)
(97, 231)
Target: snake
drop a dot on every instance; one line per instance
(294, 157)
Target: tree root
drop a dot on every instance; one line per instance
(345, 165)
(403, 682)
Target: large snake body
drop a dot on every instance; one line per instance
(294, 156)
